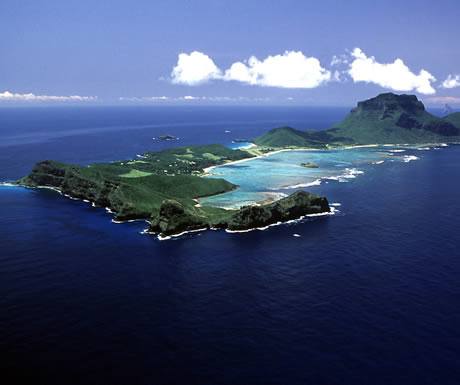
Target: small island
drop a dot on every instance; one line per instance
(167, 137)
(309, 165)
(163, 187)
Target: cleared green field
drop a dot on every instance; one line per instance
(135, 174)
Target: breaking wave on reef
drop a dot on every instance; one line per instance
(316, 182)
(409, 158)
(349, 173)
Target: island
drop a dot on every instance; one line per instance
(309, 165)
(163, 187)
(167, 137)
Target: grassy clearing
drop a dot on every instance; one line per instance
(135, 174)
(208, 155)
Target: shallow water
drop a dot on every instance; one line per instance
(275, 175)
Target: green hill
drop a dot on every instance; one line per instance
(290, 137)
(387, 118)
(453, 118)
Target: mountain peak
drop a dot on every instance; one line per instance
(393, 118)
(385, 118)
(388, 104)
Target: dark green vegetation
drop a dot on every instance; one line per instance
(387, 118)
(290, 137)
(136, 189)
(453, 118)
(178, 161)
(174, 218)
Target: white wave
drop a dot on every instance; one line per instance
(8, 184)
(424, 148)
(409, 158)
(296, 235)
(128, 221)
(396, 150)
(316, 182)
(335, 204)
(49, 188)
(378, 162)
(350, 173)
(163, 238)
(71, 197)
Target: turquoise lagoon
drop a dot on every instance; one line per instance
(278, 174)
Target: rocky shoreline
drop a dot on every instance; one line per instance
(174, 218)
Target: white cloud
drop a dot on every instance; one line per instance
(194, 99)
(339, 60)
(143, 98)
(451, 81)
(194, 68)
(290, 70)
(10, 96)
(396, 76)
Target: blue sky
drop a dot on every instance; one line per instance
(128, 51)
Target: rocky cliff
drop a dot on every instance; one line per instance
(174, 218)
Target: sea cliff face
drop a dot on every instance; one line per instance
(294, 206)
(174, 218)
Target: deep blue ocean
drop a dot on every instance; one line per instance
(368, 296)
